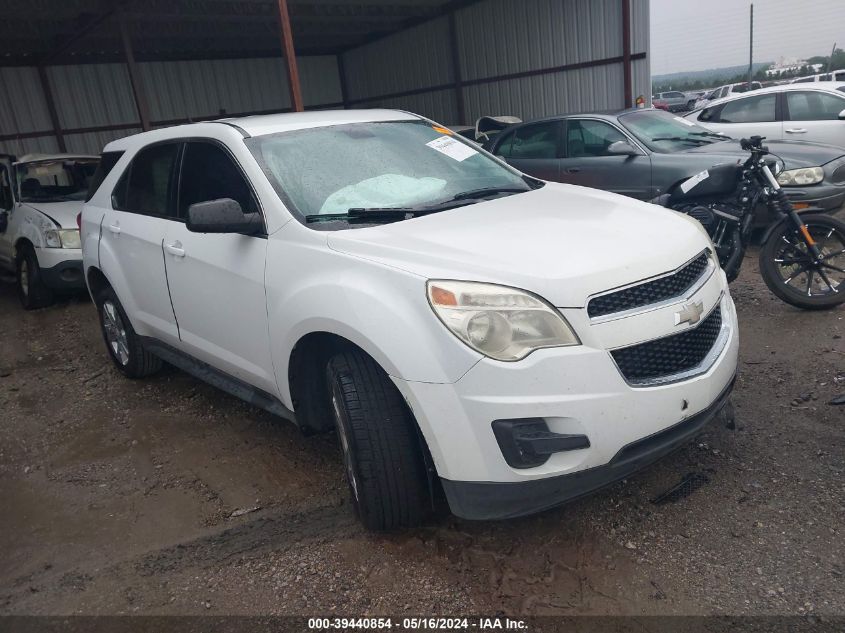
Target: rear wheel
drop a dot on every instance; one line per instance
(381, 453)
(790, 272)
(32, 291)
(124, 346)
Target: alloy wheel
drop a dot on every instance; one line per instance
(115, 332)
(337, 409)
(798, 270)
(25, 278)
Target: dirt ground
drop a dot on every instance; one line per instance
(121, 497)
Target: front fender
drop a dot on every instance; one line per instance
(382, 310)
(772, 228)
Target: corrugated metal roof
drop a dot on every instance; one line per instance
(197, 29)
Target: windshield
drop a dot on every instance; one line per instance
(323, 173)
(665, 133)
(55, 180)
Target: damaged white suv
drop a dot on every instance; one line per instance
(462, 326)
(41, 196)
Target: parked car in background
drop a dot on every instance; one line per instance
(369, 272)
(660, 104)
(675, 100)
(693, 97)
(836, 75)
(646, 153)
(805, 112)
(727, 90)
(42, 195)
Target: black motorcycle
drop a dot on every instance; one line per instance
(802, 259)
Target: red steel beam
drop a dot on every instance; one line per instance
(290, 58)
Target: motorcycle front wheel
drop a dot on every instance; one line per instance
(789, 271)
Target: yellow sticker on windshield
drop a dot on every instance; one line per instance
(442, 130)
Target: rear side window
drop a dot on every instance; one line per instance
(210, 173)
(757, 109)
(145, 188)
(814, 106)
(536, 141)
(107, 162)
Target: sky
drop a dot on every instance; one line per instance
(697, 35)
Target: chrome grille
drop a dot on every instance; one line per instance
(650, 292)
(671, 355)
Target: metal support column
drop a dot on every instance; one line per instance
(456, 70)
(290, 58)
(134, 77)
(626, 52)
(51, 108)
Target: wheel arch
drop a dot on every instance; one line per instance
(307, 382)
(97, 281)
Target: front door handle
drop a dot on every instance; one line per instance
(796, 130)
(175, 249)
(572, 170)
(114, 228)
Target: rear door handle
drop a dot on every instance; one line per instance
(114, 228)
(572, 170)
(175, 249)
(796, 130)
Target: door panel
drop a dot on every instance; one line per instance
(132, 260)
(589, 164)
(131, 240)
(749, 116)
(217, 280)
(217, 287)
(813, 115)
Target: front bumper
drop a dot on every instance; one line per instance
(489, 500)
(61, 268)
(822, 197)
(576, 391)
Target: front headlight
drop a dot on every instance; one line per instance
(801, 177)
(62, 238)
(502, 323)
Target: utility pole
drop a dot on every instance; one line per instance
(830, 60)
(751, 49)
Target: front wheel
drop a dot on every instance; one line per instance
(793, 276)
(32, 291)
(381, 452)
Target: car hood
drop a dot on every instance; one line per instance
(561, 242)
(61, 213)
(794, 153)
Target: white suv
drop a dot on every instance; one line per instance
(461, 325)
(41, 196)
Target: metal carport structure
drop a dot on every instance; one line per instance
(74, 74)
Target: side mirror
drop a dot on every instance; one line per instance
(622, 148)
(842, 115)
(222, 216)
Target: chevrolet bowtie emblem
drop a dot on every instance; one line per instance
(690, 314)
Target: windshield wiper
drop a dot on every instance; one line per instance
(489, 191)
(681, 139)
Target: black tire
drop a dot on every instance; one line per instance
(786, 244)
(381, 452)
(128, 354)
(32, 291)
